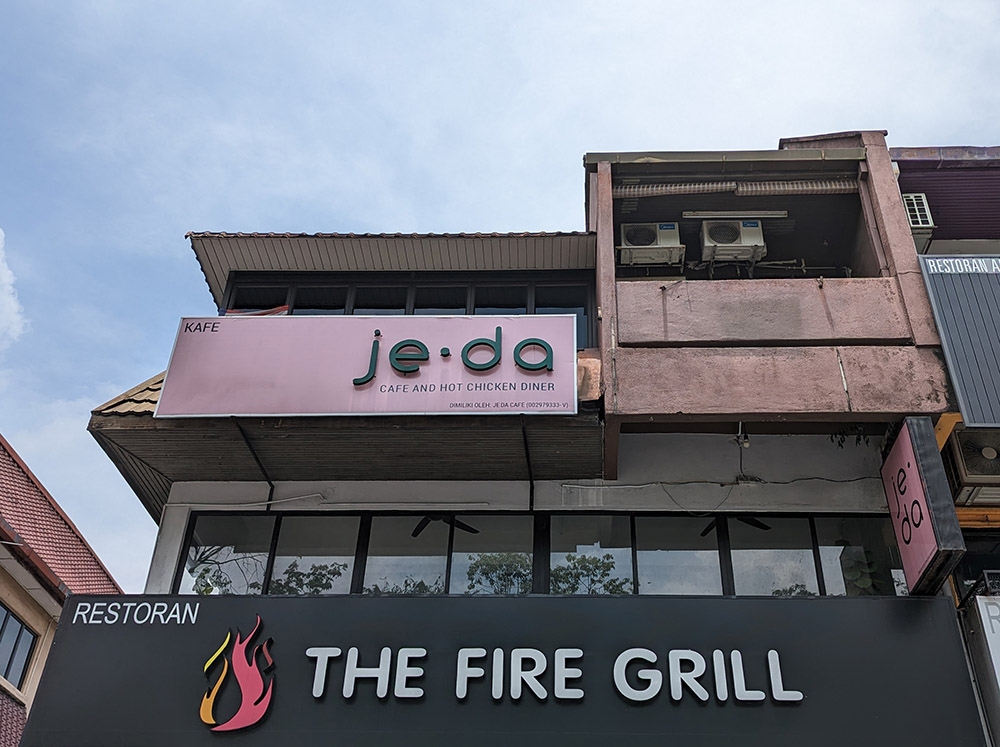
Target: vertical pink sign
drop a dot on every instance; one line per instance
(908, 508)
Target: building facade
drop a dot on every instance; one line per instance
(673, 477)
(952, 198)
(43, 559)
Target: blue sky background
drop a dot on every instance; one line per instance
(125, 124)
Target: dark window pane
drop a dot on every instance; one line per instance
(315, 555)
(380, 301)
(591, 555)
(399, 563)
(676, 555)
(496, 560)
(8, 637)
(441, 300)
(501, 300)
(982, 553)
(773, 557)
(320, 300)
(260, 298)
(19, 662)
(227, 555)
(859, 557)
(566, 299)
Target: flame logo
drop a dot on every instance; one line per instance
(249, 670)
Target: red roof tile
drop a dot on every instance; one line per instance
(43, 536)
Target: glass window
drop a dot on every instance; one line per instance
(18, 662)
(441, 300)
(265, 297)
(407, 555)
(16, 644)
(380, 301)
(858, 556)
(566, 299)
(677, 555)
(8, 640)
(320, 300)
(501, 300)
(315, 555)
(591, 555)
(227, 555)
(492, 555)
(773, 557)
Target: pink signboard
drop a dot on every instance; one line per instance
(364, 365)
(908, 509)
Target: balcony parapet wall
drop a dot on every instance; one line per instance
(846, 383)
(849, 311)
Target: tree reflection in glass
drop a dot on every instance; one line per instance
(227, 555)
(314, 555)
(495, 558)
(590, 555)
(406, 555)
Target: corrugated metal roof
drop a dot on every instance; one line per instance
(797, 158)
(222, 253)
(45, 538)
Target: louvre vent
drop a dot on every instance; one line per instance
(918, 212)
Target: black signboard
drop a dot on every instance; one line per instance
(485, 671)
(965, 297)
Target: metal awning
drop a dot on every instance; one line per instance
(222, 253)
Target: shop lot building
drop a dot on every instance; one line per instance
(621, 485)
(43, 559)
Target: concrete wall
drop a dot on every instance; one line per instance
(787, 383)
(734, 312)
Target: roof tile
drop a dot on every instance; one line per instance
(47, 538)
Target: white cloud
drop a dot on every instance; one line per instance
(12, 321)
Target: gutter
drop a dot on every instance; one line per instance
(32, 561)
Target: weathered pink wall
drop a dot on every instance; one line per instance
(733, 312)
(792, 382)
(855, 349)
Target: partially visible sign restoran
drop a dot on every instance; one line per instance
(403, 365)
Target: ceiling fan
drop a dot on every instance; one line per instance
(457, 523)
(748, 520)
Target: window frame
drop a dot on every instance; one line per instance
(541, 542)
(9, 615)
(413, 281)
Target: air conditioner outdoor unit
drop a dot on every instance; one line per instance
(972, 464)
(651, 244)
(732, 240)
(918, 213)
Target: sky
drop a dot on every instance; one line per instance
(126, 124)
